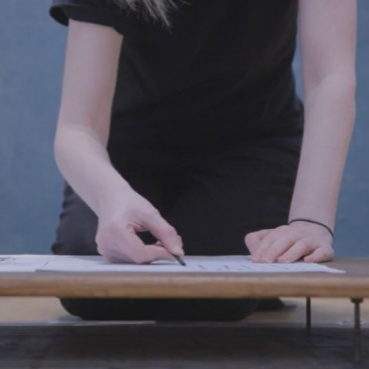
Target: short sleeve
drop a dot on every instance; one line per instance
(103, 12)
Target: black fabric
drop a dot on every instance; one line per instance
(160, 309)
(212, 195)
(222, 69)
(103, 12)
(206, 125)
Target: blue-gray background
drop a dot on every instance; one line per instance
(31, 62)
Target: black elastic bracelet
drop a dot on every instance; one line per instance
(314, 222)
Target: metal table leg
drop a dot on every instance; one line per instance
(357, 329)
(308, 313)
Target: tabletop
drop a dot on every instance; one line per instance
(353, 284)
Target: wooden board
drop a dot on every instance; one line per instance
(326, 312)
(355, 283)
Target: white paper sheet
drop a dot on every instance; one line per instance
(25, 263)
(198, 264)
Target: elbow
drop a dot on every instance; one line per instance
(341, 82)
(58, 146)
(65, 140)
(339, 87)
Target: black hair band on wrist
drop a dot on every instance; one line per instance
(314, 222)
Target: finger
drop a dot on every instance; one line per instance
(154, 253)
(119, 244)
(165, 233)
(111, 255)
(320, 255)
(265, 245)
(253, 239)
(277, 249)
(300, 249)
(158, 243)
(142, 254)
(149, 254)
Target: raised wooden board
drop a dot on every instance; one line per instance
(353, 284)
(326, 312)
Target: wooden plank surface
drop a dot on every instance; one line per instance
(355, 283)
(326, 312)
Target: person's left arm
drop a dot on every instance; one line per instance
(328, 45)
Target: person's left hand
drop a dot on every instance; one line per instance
(300, 240)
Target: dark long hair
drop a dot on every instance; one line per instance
(156, 9)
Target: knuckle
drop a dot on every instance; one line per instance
(170, 231)
(304, 242)
(102, 250)
(250, 238)
(100, 241)
(109, 258)
(151, 212)
(327, 253)
(284, 239)
(107, 229)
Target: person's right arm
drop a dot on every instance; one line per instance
(90, 75)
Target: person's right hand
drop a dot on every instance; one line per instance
(118, 224)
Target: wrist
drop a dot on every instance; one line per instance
(110, 195)
(312, 221)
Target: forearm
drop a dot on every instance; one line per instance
(84, 162)
(329, 118)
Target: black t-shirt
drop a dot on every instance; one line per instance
(223, 69)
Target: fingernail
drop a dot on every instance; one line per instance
(178, 251)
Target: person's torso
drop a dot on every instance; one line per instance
(223, 68)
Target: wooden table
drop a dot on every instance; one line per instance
(353, 285)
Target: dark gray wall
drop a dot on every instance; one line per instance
(31, 58)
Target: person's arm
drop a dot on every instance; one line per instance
(328, 45)
(90, 75)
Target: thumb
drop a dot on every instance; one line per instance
(156, 252)
(320, 255)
